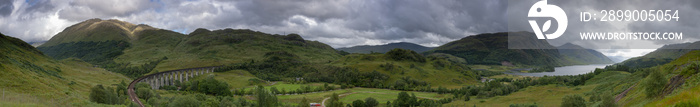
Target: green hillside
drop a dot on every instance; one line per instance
(97, 30)
(671, 84)
(661, 56)
(492, 49)
(34, 79)
(135, 50)
(436, 70)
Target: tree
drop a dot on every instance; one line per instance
(358, 103)
(274, 90)
(121, 88)
(403, 100)
(371, 102)
(335, 101)
(573, 101)
(144, 93)
(654, 84)
(608, 101)
(103, 95)
(185, 101)
(265, 98)
(303, 103)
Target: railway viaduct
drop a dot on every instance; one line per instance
(165, 78)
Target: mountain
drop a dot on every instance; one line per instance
(492, 49)
(385, 48)
(124, 47)
(30, 78)
(98, 30)
(663, 55)
(579, 55)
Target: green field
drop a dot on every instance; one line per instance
(382, 95)
(546, 96)
(288, 87)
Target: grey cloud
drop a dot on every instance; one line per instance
(6, 7)
(85, 9)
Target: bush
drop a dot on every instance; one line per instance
(265, 98)
(358, 103)
(371, 102)
(573, 101)
(654, 84)
(209, 86)
(399, 54)
(185, 101)
(687, 104)
(334, 101)
(144, 93)
(608, 101)
(104, 95)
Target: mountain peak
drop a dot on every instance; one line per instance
(98, 30)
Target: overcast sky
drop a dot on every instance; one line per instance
(339, 23)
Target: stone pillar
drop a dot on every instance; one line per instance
(167, 78)
(179, 73)
(150, 81)
(160, 80)
(157, 80)
(170, 78)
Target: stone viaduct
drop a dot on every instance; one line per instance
(165, 78)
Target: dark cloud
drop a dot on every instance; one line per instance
(6, 7)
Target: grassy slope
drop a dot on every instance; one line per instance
(687, 92)
(219, 47)
(447, 77)
(636, 97)
(547, 96)
(32, 78)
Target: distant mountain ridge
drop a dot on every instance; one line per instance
(385, 48)
(663, 55)
(579, 55)
(492, 49)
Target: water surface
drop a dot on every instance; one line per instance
(565, 70)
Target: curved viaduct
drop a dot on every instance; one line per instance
(166, 78)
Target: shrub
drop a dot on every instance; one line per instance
(371, 102)
(573, 101)
(104, 95)
(654, 84)
(185, 101)
(358, 103)
(403, 54)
